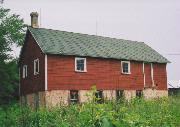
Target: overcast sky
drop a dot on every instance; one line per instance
(155, 22)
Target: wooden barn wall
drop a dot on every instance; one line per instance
(104, 73)
(33, 83)
(147, 71)
(160, 76)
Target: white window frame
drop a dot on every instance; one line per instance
(85, 66)
(36, 61)
(24, 74)
(129, 67)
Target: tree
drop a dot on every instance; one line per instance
(1, 1)
(12, 29)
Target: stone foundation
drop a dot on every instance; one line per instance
(42, 99)
(109, 94)
(153, 93)
(85, 96)
(30, 100)
(129, 94)
(57, 98)
(162, 93)
(61, 97)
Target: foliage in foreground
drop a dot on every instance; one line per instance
(12, 31)
(137, 113)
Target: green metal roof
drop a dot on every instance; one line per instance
(69, 43)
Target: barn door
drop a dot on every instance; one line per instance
(147, 71)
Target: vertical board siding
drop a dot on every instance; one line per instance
(33, 83)
(160, 76)
(148, 78)
(104, 73)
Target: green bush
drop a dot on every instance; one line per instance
(164, 112)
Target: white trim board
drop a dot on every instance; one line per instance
(152, 74)
(144, 75)
(46, 83)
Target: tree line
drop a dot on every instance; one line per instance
(12, 32)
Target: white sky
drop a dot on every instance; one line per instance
(155, 22)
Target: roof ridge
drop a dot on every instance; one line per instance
(89, 34)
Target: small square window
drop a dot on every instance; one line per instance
(80, 64)
(119, 94)
(24, 75)
(125, 65)
(36, 66)
(99, 96)
(74, 97)
(139, 93)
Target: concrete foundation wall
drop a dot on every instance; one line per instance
(42, 98)
(129, 94)
(162, 93)
(30, 100)
(57, 97)
(61, 97)
(153, 93)
(109, 94)
(85, 96)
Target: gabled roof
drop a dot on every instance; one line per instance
(69, 43)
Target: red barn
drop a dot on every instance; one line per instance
(59, 67)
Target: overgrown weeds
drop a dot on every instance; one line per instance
(163, 112)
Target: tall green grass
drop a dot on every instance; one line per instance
(164, 112)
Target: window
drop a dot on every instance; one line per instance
(99, 96)
(74, 96)
(119, 94)
(139, 93)
(36, 66)
(125, 65)
(24, 75)
(80, 64)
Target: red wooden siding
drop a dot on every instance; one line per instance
(32, 83)
(160, 76)
(147, 71)
(104, 73)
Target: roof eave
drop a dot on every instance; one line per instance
(63, 54)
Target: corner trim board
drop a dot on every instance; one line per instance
(144, 76)
(152, 74)
(46, 84)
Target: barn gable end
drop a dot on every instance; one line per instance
(31, 51)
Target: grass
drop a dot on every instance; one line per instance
(164, 112)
